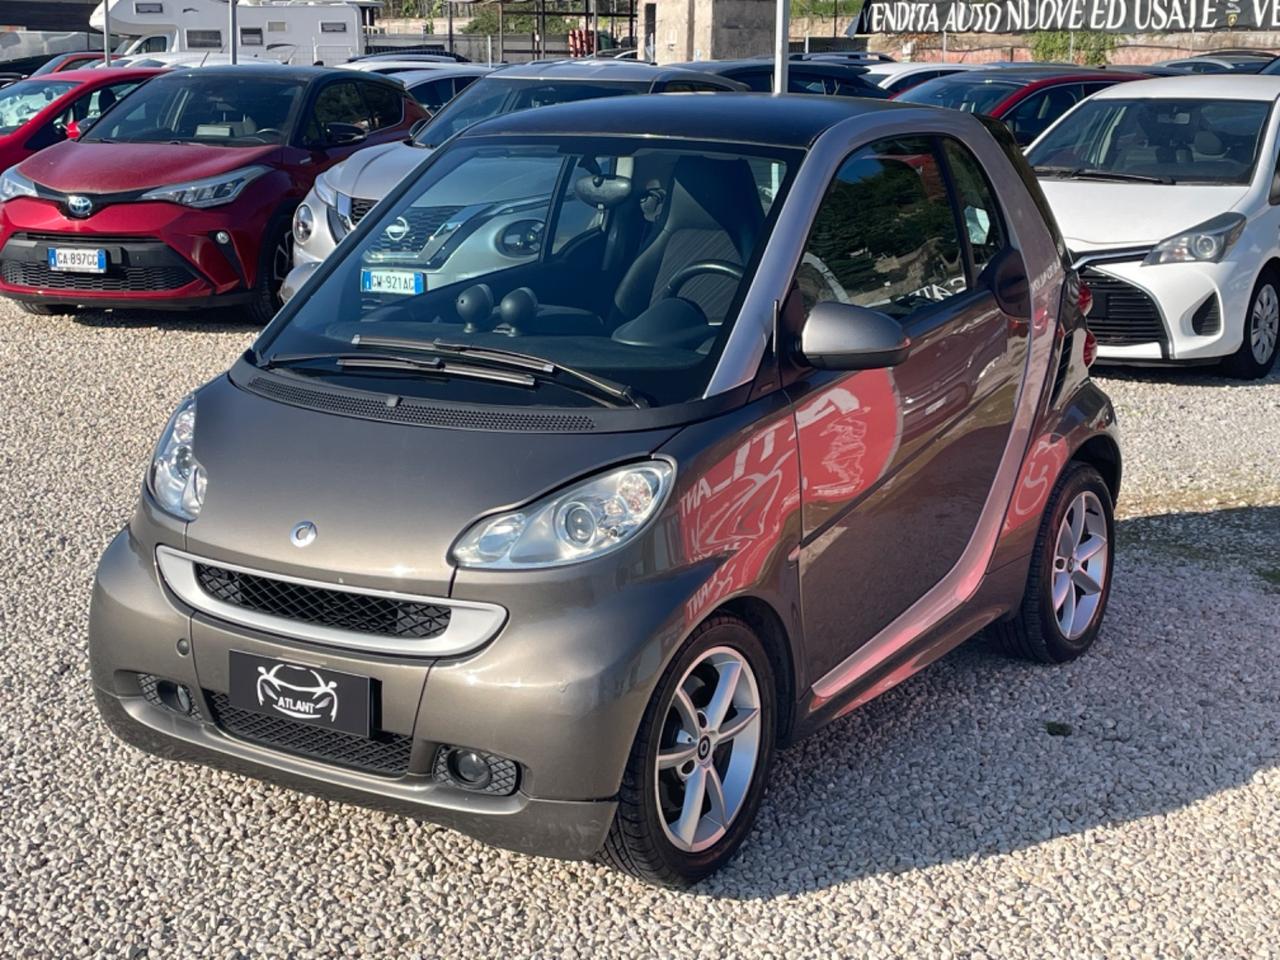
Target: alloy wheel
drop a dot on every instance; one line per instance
(708, 749)
(1081, 555)
(1264, 323)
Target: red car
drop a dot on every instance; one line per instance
(76, 60)
(35, 113)
(182, 196)
(1027, 98)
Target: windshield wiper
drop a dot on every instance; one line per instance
(391, 361)
(537, 366)
(1089, 173)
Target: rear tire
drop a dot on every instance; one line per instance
(698, 760)
(1070, 578)
(274, 262)
(1257, 353)
(44, 309)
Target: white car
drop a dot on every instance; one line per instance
(896, 77)
(1168, 196)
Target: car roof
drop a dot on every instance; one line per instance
(890, 68)
(786, 120)
(619, 71)
(410, 77)
(828, 68)
(102, 74)
(1220, 86)
(304, 74)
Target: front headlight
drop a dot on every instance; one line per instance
(587, 520)
(325, 191)
(176, 479)
(1206, 243)
(209, 192)
(13, 184)
(304, 223)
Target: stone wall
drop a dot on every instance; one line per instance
(712, 29)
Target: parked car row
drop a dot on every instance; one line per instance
(338, 141)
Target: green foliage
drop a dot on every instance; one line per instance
(1088, 46)
(484, 21)
(824, 8)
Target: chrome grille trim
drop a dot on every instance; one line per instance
(471, 624)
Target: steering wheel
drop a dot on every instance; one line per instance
(682, 276)
(263, 133)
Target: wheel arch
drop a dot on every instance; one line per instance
(1103, 454)
(768, 625)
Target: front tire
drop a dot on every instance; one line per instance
(1257, 353)
(1070, 578)
(274, 263)
(698, 768)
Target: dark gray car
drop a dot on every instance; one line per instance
(730, 414)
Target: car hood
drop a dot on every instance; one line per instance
(373, 172)
(387, 499)
(75, 166)
(1094, 214)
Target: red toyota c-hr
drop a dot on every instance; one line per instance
(182, 196)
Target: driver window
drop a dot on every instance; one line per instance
(337, 103)
(884, 236)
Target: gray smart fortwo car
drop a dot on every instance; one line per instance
(625, 443)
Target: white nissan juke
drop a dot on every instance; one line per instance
(1168, 194)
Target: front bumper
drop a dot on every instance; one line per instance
(560, 696)
(158, 254)
(1167, 312)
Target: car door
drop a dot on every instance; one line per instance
(896, 463)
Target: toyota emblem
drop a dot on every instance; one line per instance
(79, 206)
(303, 534)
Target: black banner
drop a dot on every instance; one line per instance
(1025, 16)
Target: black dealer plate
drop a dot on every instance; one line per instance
(310, 695)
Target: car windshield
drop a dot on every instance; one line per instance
(21, 101)
(211, 107)
(973, 95)
(620, 257)
(493, 96)
(1164, 140)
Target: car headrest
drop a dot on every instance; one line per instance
(602, 190)
(1209, 143)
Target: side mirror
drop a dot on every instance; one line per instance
(343, 134)
(74, 130)
(842, 336)
(1274, 198)
(295, 278)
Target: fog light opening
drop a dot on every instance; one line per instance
(470, 769)
(175, 696)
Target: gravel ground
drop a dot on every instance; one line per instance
(943, 820)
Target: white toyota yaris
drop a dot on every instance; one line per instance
(1168, 194)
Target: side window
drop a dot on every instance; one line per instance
(885, 237)
(1033, 115)
(204, 39)
(337, 103)
(800, 82)
(690, 86)
(759, 80)
(434, 94)
(978, 209)
(385, 106)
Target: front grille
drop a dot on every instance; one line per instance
(383, 753)
(359, 207)
(419, 223)
(358, 612)
(1122, 314)
(421, 414)
(1207, 319)
(117, 279)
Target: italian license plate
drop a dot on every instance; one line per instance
(77, 260)
(318, 698)
(402, 282)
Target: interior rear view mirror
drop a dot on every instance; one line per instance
(844, 336)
